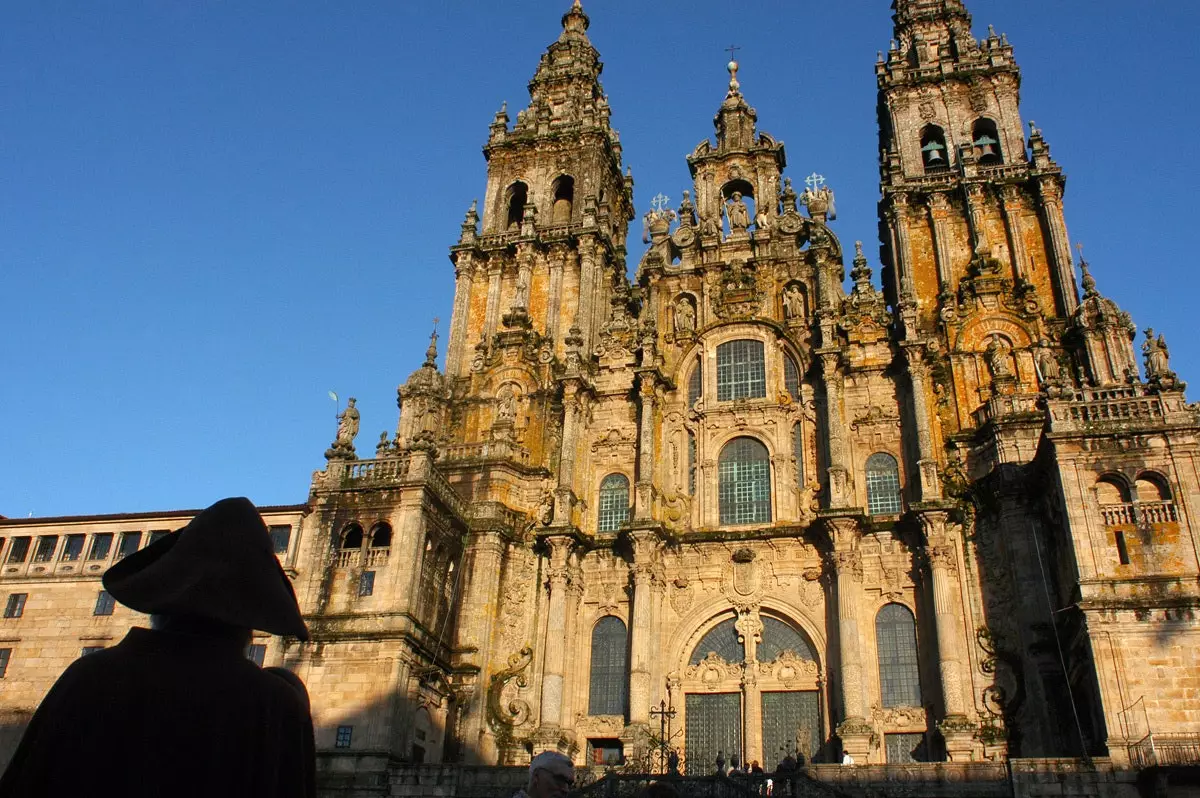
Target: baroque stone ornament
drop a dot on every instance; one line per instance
(736, 294)
(504, 716)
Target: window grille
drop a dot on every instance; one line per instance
(15, 607)
(741, 371)
(609, 692)
(19, 550)
(721, 640)
(73, 549)
(899, 669)
(45, 548)
(366, 583)
(778, 637)
(130, 541)
(791, 378)
(905, 748)
(696, 383)
(104, 604)
(101, 545)
(883, 485)
(613, 507)
(344, 733)
(744, 477)
(281, 537)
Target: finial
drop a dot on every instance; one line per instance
(861, 273)
(575, 20)
(732, 66)
(1089, 282)
(431, 352)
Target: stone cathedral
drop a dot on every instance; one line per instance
(736, 482)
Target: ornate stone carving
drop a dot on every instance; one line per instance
(900, 718)
(875, 416)
(736, 294)
(712, 670)
(505, 715)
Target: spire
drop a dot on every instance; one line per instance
(926, 31)
(575, 23)
(431, 352)
(735, 122)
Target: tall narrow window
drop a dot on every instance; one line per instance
(104, 604)
(130, 541)
(899, 670)
(985, 140)
(696, 384)
(791, 378)
(609, 691)
(19, 550)
(1122, 548)
(933, 149)
(564, 197)
(366, 583)
(45, 548)
(518, 195)
(101, 545)
(73, 549)
(741, 371)
(613, 510)
(344, 735)
(15, 607)
(691, 463)
(281, 538)
(883, 484)
(744, 482)
(5, 656)
(798, 453)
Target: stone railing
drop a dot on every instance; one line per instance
(498, 514)
(377, 556)
(1004, 406)
(1117, 514)
(347, 558)
(1142, 513)
(486, 450)
(1165, 749)
(1113, 408)
(358, 474)
(1157, 512)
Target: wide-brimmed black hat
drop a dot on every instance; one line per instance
(221, 566)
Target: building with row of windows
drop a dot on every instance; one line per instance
(945, 521)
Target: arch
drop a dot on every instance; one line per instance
(721, 640)
(741, 370)
(1151, 486)
(883, 485)
(516, 198)
(608, 693)
(563, 193)
(935, 156)
(985, 139)
(612, 508)
(1111, 489)
(896, 649)
(743, 187)
(779, 636)
(351, 537)
(705, 615)
(381, 535)
(744, 482)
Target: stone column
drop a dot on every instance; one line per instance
(939, 210)
(918, 374)
(644, 490)
(854, 730)
(941, 550)
(493, 303)
(553, 647)
(835, 427)
(645, 555)
(749, 628)
(558, 257)
(1063, 268)
(1010, 203)
(482, 560)
(572, 673)
(898, 216)
(463, 271)
(587, 289)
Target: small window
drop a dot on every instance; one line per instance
(607, 753)
(613, 511)
(381, 536)
(104, 603)
(344, 733)
(73, 549)
(90, 650)
(101, 545)
(1122, 548)
(695, 384)
(19, 551)
(933, 149)
(5, 655)
(157, 535)
(366, 583)
(130, 542)
(352, 537)
(281, 538)
(256, 653)
(741, 371)
(15, 607)
(45, 548)
(791, 378)
(883, 485)
(518, 195)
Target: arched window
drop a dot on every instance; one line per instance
(609, 693)
(778, 637)
(791, 378)
(691, 453)
(798, 453)
(381, 536)
(741, 371)
(899, 670)
(721, 640)
(518, 195)
(564, 198)
(883, 485)
(352, 537)
(1154, 504)
(613, 506)
(933, 149)
(744, 477)
(696, 384)
(986, 141)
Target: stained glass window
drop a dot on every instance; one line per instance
(741, 371)
(778, 637)
(883, 484)
(744, 476)
(721, 640)
(609, 693)
(613, 510)
(899, 671)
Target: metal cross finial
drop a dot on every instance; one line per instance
(814, 181)
(731, 50)
(659, 202)
(435, 324)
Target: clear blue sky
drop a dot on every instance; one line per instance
(213, 212)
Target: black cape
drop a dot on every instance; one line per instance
(167, 714)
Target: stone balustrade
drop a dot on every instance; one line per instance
(485, 450)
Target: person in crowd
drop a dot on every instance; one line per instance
(178, 709)
(551, 775)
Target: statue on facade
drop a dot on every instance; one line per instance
(1157, 357)
(347, 426)
(996, 355)
(1047, 363)
(545, 509)
(762, 223)
(737, 213)
(793, 303)
(507, 409)
(685, 316)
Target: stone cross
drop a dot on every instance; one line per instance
(659, 202)
(814, 182)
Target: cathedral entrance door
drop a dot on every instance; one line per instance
(790, 721)
(714, 725)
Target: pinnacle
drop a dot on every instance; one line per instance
(575, 22)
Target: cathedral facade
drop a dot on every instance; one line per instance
(729, 505)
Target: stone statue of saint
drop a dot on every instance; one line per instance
(1047, 364)
(996, 355)
(685, 316)
(545, 509)
(737, 213)
(793, 302)
(347, 426)
(1157, 357)
(507, 411)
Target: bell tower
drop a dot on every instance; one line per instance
(973, 237)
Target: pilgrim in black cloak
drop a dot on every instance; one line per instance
(178, 710)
